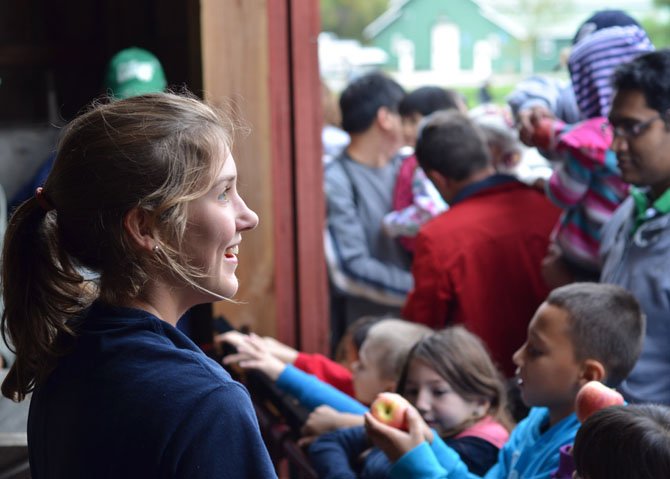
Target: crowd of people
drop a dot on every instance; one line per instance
(481, 282)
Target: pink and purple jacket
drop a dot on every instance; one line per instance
(588, 186)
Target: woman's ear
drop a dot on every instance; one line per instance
(592, 370)
(138, 225)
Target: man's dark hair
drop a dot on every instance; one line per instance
(624, 442)
(428, 99)
(606, 324)
(649, 74)
(362, 98)
(451, 144)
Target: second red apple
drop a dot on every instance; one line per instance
(594, 396)
(391, 409)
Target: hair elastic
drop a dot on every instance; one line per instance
(42, 200)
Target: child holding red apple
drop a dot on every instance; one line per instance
(624, 442)
(582, 332)
(451, 380)
(380, 360)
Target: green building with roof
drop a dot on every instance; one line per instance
(468, 39)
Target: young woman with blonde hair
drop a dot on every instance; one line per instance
(138, 221)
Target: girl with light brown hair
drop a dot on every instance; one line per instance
(138, 221)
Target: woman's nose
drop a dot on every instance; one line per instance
(247, 219)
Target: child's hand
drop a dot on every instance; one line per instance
(528, 120)
(234, 338)
(325, 419)
(394, 442)
(280, 350)
(253, 353)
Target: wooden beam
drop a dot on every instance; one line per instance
(314, 326)
(235, 75)
(281, 120)
(263, 55)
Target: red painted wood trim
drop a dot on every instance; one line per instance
(279, 78)
(314, 326)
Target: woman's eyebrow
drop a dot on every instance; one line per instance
(225, 179)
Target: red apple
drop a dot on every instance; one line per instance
(594, 396)
(544, 133)
(391, 409)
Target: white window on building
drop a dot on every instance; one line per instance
(482, 61)
(546, 48)
(403, 48)
(445, 48)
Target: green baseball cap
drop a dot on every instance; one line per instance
(134, 71)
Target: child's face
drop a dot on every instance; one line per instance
(548, 373)
(441, 407)
(350, 351)
(410, 125)
(367, 378)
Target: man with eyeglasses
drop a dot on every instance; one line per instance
(635, 249)
(586, 182)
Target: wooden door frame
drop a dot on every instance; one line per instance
(287, 78)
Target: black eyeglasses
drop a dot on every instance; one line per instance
(630, 130)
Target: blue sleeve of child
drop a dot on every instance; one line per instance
(331, 454)
(436, 461)
(312, 392)
(450, 460)
(419, 463)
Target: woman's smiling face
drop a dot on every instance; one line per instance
(215, 222)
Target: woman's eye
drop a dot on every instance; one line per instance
(440, 392)
(224, 195)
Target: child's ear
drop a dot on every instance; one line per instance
(483, 406)
(592, 370)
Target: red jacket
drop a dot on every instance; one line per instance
(327, 371)
(478, 264)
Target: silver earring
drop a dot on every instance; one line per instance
(156, 249)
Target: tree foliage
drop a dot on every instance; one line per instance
(658, 31)
(535, 15)
(348, 18)
(657, 26)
